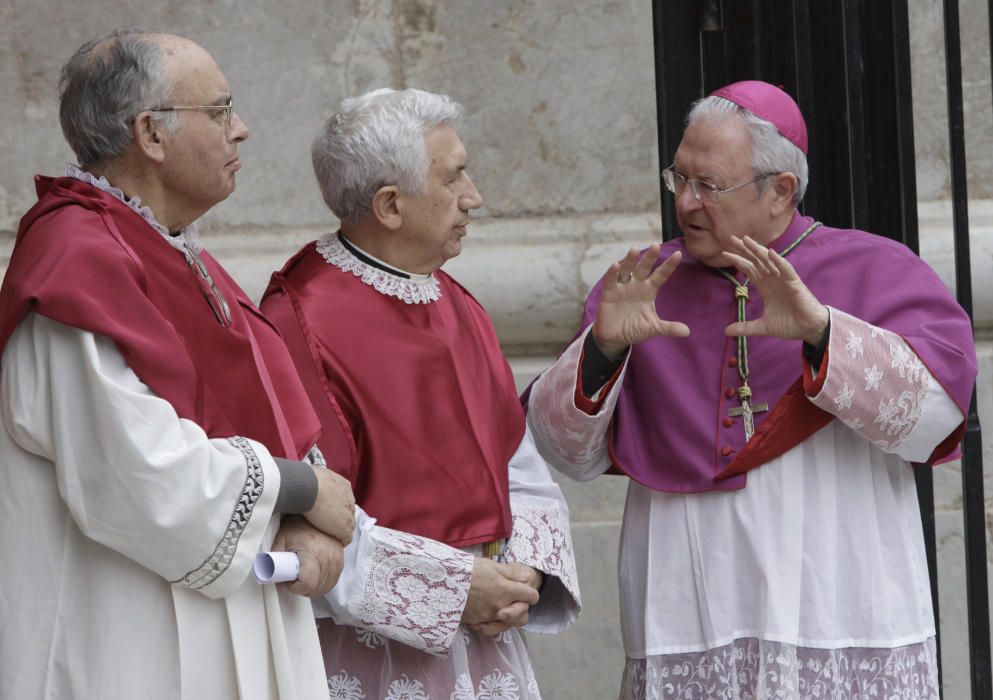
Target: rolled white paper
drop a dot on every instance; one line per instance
(276, 567)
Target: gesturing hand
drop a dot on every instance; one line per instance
(627, 312)
(790, 310)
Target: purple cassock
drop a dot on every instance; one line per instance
(671, 430)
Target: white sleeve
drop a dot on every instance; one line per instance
(408, 588)
(540, 537)
(573, 441)
(875, 383)
(136, 478)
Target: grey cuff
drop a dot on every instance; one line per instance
(297, 486)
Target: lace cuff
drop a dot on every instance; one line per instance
(573, 441)
(540, 538)
(872, 380)
(412, 590)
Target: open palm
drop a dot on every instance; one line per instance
(790, 310)
(627, 313)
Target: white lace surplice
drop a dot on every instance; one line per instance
(390, 628)
(810, 581)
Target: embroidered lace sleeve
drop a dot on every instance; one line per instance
(872, 380)
(572, 440)
(540, 538)
(400, 586)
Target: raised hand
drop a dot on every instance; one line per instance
(790, 310)
(627, 312)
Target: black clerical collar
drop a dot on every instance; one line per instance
(369, 260)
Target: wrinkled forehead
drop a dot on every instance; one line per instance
(715, 144)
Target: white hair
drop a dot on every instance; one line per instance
(373, 140)
(771, 151)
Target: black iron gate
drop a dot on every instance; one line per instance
(848, 64)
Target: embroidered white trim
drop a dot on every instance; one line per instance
(189, 236)
(422, 290)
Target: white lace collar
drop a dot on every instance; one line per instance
(413, 289)
(188, 237)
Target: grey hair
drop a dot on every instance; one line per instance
(103, 88)
(771, 151)
(373, 140)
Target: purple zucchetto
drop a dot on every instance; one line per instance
(770, 103)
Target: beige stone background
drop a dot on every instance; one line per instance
(560, 125)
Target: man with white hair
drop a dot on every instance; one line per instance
(420, 413)
(772, 543)
(155, 433)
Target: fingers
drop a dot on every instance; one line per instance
(673, 329)
(515, 615)
(747, 328)
(310, 577)
(643, 268)
(490, 629)
(664, 271)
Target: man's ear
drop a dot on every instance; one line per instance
(387, 208)
(149, 137)
(784, 185)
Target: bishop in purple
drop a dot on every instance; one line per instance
(766, 381)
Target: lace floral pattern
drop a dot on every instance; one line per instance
(540, 538)
(875, 383)
(409, 291)
(413, 590)
(576, 442)
(753, 669)
(342, 686)
(188, 236)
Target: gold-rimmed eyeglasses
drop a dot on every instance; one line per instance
(705, 192)
(224, 110)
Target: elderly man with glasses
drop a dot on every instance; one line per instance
(155, 434)
(767, 404)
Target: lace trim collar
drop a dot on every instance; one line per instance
(188, 237)
(415, 289)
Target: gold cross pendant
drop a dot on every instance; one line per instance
(748, 410)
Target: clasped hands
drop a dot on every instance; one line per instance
(500, 595)
(320, 535)
(627, 313)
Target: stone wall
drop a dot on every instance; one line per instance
(560, 125)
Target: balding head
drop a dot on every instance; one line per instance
(107, 83)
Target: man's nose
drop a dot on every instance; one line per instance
(687, 200)
(238, 129)
(471, 199)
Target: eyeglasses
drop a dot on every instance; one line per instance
(225, 110)
(218, 304)
(705, 192)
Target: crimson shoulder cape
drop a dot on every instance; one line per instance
(87, 260)
(668, 430)
(417, 402)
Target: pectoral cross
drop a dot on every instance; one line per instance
(747, 409)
